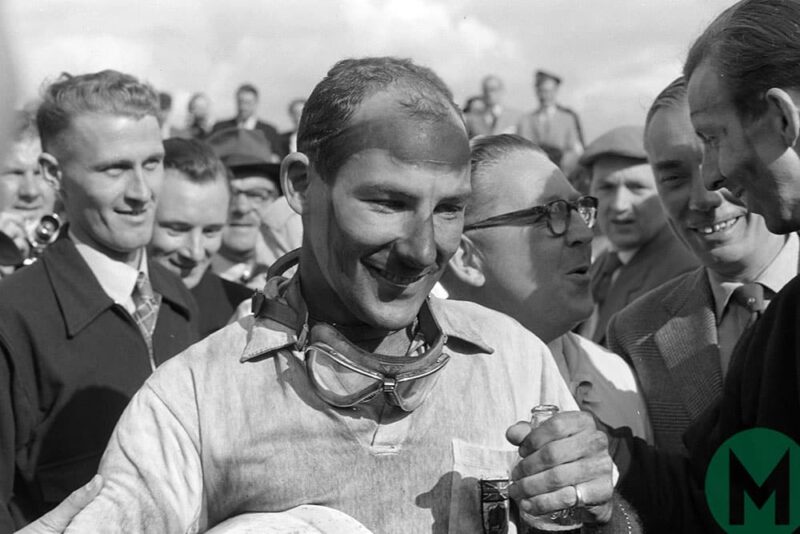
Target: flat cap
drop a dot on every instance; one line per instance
(624, 141)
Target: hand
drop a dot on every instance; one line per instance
(58, 519)
(14, 227)
(565, 452)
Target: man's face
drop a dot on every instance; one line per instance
(746, 156)
(714, 224)
(383, 229)
(23, 191)
(629, 212)
(493, 92)
(538, 279)
(546, 91)
(246, 103)
(111, 173)
(250, 197)
(199, 108)
(189, 222)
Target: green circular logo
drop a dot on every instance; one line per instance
(753, 483)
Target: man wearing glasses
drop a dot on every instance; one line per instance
(526, 251)
(643, 251)
(261, 225)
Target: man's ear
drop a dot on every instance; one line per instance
(789, 118)
(295, 180)
(467, 263)
(51, 171)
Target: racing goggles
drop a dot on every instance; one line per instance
(344, 375)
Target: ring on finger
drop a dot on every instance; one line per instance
(579, 502)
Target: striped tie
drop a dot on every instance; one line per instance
(147, 303)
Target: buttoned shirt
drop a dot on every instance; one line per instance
(732, 319)
(117, 278)
(233, 425)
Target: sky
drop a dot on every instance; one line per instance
(614, 55)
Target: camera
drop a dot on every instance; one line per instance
(40, 236)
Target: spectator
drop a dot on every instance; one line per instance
(261, 225)
(227, 408)
(475, 116)
(289, 138)
(190, 219)
(524, 253)
(499, 118)
(555, 128)
(83, 327)
(247, 119)
(198, 117)
(680, 336)
(25, 197)
(644, 253)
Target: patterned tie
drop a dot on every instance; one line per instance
(602, 283)
(751, 297)
(147, 303)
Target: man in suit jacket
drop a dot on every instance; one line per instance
(82, 328)
(246, 119)
(680, 336)
(644, 253)
(500, 119)
(557, 129)
(190, 219)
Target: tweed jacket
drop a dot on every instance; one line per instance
(658, 261)
(669, 336)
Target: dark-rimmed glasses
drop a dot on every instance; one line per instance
(556, 213)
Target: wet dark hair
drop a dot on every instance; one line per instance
(336, 98)
(754, 46)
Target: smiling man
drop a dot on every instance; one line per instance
(644, 253)
(680, 336)
(190, 218)
(526, 251)
(24, 195)
(82, 328)
(349, 387)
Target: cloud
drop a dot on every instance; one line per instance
(613, 54)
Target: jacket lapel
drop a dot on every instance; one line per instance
(689, 344)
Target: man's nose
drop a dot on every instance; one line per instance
(138, 189)
(620, 200)
(578, 231)
(30, 186)
(702, 199)
(418, 247)
(193, 246)
(709, 168)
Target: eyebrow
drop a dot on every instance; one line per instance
(669, 165)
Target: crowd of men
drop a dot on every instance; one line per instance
(346, 326)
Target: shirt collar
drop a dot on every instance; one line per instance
(115, 277)
(774, 276)
(267, 335)
(248, 124)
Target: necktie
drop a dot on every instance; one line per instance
(147, 303)
(602, 283)
(751, 297)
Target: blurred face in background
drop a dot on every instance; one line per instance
(546, 91)
(190, 220)
(493, 91)
(23, 190)
(246, 104)
(250, 196)
(200, 107)
(629, 211)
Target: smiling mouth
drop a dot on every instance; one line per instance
(583, 269)
(717, 227)
(394, 278)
